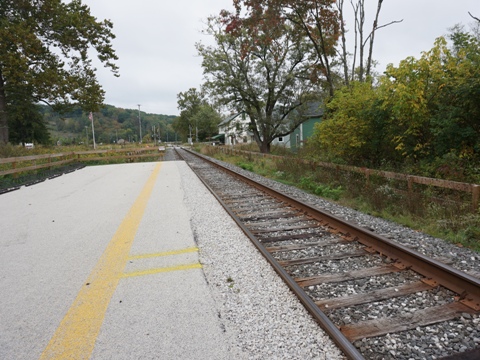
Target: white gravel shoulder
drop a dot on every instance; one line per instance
(262, 317)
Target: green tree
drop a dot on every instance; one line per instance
(44, 54)
(354, 127)
(197, 116)
(434, 100)
(26, 123)
(189, 103)
(424, 109)
(206, 121)
(456, 121)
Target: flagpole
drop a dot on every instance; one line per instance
(93, 130)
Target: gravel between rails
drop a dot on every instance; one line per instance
(264, 318)
(431, 342)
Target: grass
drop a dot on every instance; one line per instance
(453, 221)
(23, 178)
(9, 150)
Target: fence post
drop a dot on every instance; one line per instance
(14, 166)
(475, 196)
(367, 176)
(410, 184)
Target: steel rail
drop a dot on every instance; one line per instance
(467, 286)
(437, 273)
(350, 351)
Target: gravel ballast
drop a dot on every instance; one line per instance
(454, 336)
(259, 311)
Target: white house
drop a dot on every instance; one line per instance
(235, 129)
(282, 141)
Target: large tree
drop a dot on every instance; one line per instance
(197, 117)
(45, 54)
(261, 66)
(315, 20)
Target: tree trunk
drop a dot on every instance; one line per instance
(265, 147)
(3, 112)
(361, 23)
(344, 43)
(372, 38)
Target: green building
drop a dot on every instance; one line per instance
(305, 130)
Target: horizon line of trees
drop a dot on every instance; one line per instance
(111, 125)
(269, 60)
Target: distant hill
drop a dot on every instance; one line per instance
(111, 124)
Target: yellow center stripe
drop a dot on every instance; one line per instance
(165, 253)
(161, 270)
(76, 335)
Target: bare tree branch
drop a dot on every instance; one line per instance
(473, 17)
(390, 23)
(382, 26)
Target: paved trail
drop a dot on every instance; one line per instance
(101, 264)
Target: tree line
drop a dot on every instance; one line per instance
(112, 125)
(272, 59)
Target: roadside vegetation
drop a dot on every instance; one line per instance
(440, 213)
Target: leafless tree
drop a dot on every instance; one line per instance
(360, 40)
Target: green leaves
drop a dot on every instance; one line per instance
(348, 125)
(45, 51)
(197, 116)
(423, 109)
(434, 98)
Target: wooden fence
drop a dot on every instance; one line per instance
(16, 165)
(473, 189)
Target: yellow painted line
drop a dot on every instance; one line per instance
(162, 270)
(76, 335)
(165, 253)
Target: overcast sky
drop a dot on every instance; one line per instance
(155, 42)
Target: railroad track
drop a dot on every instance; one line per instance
(360, 287)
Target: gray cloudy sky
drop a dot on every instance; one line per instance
(156, 42)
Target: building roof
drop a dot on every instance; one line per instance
(229, 119)
(315, 109)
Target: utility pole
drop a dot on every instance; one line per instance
(90, 116)
(139, 124)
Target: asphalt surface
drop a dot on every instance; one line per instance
(101, 263)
